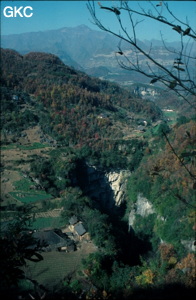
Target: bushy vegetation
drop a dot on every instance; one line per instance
(86, 117)
(14, 120)
(169, 184)
(17, 247)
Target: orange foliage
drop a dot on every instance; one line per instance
(167, 251)
(187, 265)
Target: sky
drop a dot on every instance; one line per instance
(49, 15)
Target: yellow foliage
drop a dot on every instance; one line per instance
(172, 260)
(145, 278)
(104, 294)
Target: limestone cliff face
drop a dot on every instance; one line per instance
(142, 207)
(106, 188)
(117, 182)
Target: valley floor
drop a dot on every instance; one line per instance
(57, 266)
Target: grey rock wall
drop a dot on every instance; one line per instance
(142, 207)
(108, 188)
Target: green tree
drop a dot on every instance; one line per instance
(17, 246)
(100, 230)
(97, 267)
(74, 203)
(163, 128)
(120, 279)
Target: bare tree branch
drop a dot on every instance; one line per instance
(176, 77)
(193, 177)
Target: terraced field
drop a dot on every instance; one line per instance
(15, 159)
(18, 188)
(48, 222)
(26, 197)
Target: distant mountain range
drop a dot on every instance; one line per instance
(75, 46)
(91, 51)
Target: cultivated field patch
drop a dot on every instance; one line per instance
(171, 116)
(48, 222)
(22, 192)
(33, 146)
(23, 185)
(27, 198)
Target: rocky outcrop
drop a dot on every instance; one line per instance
(190, 245)
(117, 182)
(142, 207)
(107, 189)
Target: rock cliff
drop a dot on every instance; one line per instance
(107, 189)
(142, 207)
(117, 182)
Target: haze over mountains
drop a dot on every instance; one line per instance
(91, 51)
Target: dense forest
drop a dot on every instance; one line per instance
(97, 123)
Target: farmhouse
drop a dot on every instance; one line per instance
(54, 240)
(73, 220)
(77, 228)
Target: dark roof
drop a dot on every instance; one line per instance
(73, 220)
(50, 240)
(49, 237)
(60, 233)
(79, 228)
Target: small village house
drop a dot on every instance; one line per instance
(54, 241)
(77, 228)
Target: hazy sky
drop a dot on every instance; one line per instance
(57, 14)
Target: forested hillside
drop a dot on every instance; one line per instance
(65, 139)
(78, 110)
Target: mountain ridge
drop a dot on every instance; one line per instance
(82, 48)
